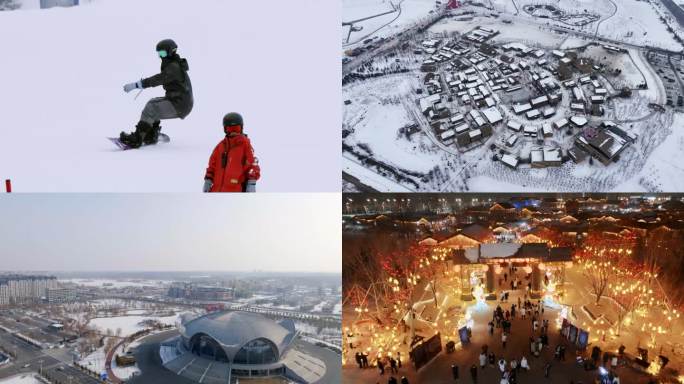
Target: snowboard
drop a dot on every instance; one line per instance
(163, 138)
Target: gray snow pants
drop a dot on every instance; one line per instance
(159, 108)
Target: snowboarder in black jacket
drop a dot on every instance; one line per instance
(176, 104)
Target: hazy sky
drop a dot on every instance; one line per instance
(239, 232)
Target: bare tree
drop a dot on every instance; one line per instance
(627, 293)
(598, 272)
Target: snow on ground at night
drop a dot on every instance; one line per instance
(389, 144)
(64, 94)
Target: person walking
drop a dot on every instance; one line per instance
(399, 359)
(502, 365)
(523, 364)
(547, 369)
(404, 380)
(381, 366)
(392, 380)
(473, 373)
(492, 359)
(483, 360)
(503, 339)
(357, 356)
(393, 365)
(491, 327)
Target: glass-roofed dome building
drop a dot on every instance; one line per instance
(251, 344)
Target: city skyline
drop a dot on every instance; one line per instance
(138, 233)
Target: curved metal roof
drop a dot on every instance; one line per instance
(233, 329)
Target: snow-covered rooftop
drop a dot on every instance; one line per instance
(492, 115)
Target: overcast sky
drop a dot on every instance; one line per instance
(237, 232)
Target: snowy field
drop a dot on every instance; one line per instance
(128, 324)
(383, 26)
(24, 378)
(662, 171)
(636, 22)
(65, 69)
(518, 31)
(108, 283)
(632, 21)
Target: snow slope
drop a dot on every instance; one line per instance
(64, 69)
(386, 25)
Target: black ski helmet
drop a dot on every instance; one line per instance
(167, 45)
(232, 118)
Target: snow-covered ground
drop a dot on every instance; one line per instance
(123, 372)
(376, 109)
(95, 361)
(518, 31)
(128, 324)
(24, 378)
(65, 67)
(662, 171)
(407, 12)
(109, 283)
(636, 22)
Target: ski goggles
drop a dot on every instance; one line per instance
(162, 53)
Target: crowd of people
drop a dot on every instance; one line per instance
(512, 364)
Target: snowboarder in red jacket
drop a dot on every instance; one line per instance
(232, 165)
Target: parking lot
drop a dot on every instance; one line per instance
(670, 69)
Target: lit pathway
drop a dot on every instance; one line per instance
(439, 370)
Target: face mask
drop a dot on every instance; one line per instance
(162, 53)
(232, 129)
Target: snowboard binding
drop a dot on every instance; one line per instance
(144, 134)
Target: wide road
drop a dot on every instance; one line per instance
(333, 361)
(149, 362)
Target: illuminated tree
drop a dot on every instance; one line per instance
(603, 257)
(629, 293)
(598, 272)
